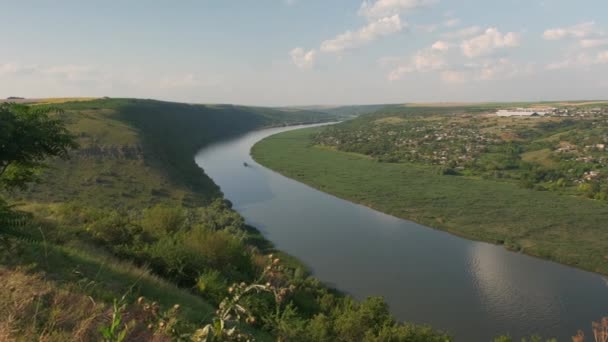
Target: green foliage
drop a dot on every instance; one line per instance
(114, 332)
(161, 220)
(27, 137)
(211, 284)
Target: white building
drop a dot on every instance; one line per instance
(525, 112)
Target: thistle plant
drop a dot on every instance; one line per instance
(600, 332)
(231, 312)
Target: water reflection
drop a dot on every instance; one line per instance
(472, 289)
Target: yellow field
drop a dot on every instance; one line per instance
(50, 100)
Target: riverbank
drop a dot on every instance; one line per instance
(542, 224)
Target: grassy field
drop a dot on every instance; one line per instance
(545, 224)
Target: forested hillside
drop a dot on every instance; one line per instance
(128, 240)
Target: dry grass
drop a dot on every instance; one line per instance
(50, 100)
(35, 309)
(588, 103)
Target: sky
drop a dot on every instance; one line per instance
(306, 52)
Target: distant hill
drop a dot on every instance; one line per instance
(346, 111)
(132, 149)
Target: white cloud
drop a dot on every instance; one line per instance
(488, 70)
(580, 60)
(422, 61)
(462, 33)
(372, 31)
(593, 43)
(498, 70)
(303, 59)
(383, 8)
(440, 45)
(582, 30)
(487, 42)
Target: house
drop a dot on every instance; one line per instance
(591, 175)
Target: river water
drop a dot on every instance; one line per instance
(472, 290)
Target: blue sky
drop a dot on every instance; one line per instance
(302, 52)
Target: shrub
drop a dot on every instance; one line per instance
(211, 284)
(162, 220)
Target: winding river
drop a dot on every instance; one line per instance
(473, 290)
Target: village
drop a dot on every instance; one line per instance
(555, 148)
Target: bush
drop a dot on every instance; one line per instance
(211, 284)
(162, 220)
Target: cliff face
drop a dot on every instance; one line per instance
(118, 152)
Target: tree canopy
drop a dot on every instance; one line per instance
(29, 135)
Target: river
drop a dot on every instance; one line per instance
(470, 289)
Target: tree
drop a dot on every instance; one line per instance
(29, 135)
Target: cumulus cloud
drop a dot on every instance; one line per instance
(384, 8)
(303, 59)
(582, 30)
(487, 42)
(422, 61)
(453, 68)
(488, 70)
(440, 45)
(372, 31)
(593, 43)
(462, 33)
(581, 60)
(498, 70)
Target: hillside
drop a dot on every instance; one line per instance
(134, 153)
(347, 112)
(129, 238)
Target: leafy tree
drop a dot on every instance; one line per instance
(29, 135)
